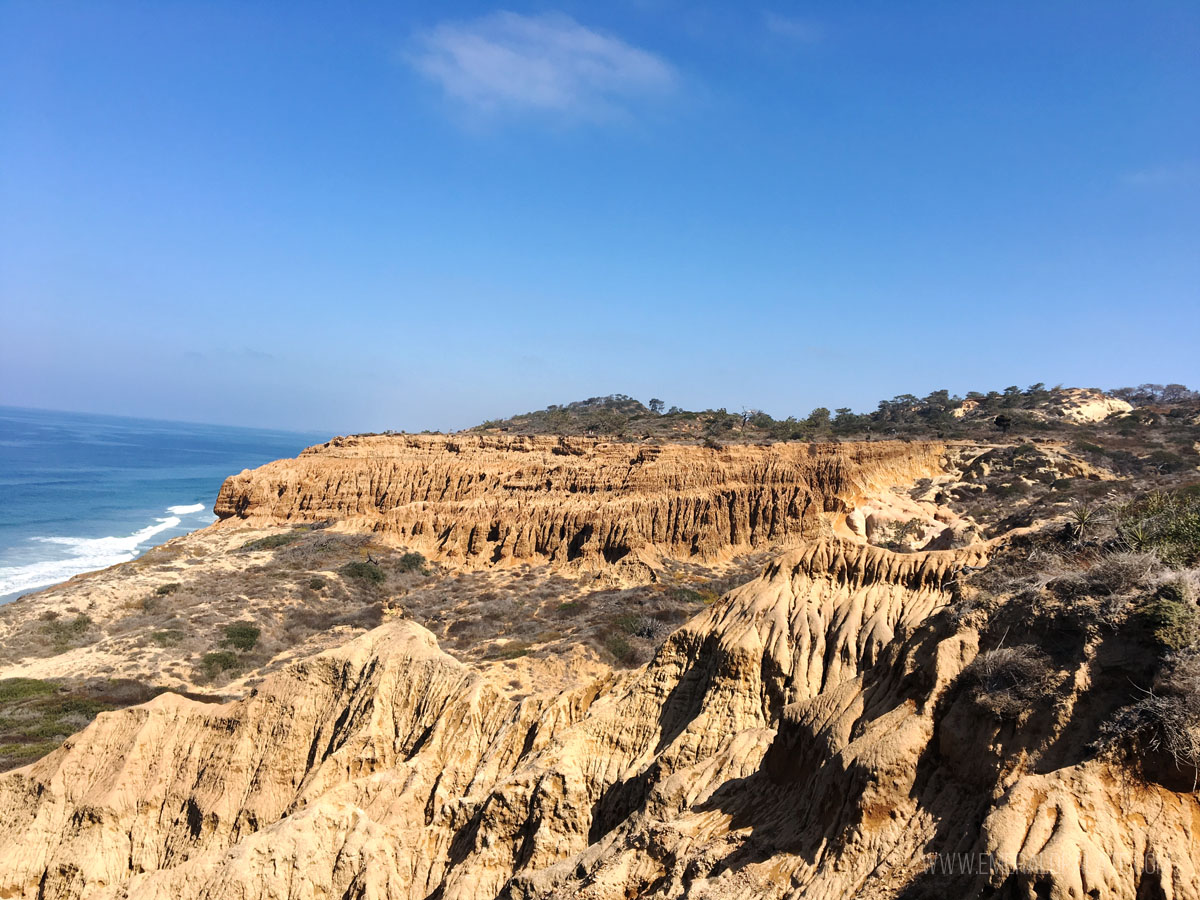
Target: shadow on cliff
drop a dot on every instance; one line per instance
(809, 799)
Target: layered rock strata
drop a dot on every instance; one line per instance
(480, 500)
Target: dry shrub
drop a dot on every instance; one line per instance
(302, 621)
(1184, 584)
(1123, 573)
(622, 649)
(1010, 680)
(671, 615)
(1165, 720)
(463, 625)
(1112, 575)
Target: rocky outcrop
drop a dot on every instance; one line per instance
(1085, 406)
(480, 500)
(1077, 406)
(805, 736)
(315, 768)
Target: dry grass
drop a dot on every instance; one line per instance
(477, 615)
(191, 623)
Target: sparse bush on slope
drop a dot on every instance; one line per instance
(364, 571)
(241, 635)
(1167, 522)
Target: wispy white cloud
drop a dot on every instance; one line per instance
(803, 31)
(507, 62)
(1185, 174)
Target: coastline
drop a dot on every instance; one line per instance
(79, 555)
(84, 492)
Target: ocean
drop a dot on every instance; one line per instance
(80, 492)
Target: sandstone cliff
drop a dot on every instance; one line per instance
(479, 500)
(806, 736)
(819, 731)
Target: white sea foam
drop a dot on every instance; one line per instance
(87, 554)
(186, 510)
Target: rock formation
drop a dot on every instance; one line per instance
(803, 737)
(479, 500)
(1084, 406)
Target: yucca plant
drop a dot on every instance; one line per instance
(1083, 517)
(1137, 536)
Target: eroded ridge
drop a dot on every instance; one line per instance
(808, 735)
(480, 500)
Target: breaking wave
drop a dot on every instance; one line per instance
(86, 554)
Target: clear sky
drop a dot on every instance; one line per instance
(359, 216)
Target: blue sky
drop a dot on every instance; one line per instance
(388, 215)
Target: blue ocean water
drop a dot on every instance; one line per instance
(81, 492)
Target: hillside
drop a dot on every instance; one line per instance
(509, 665)
(1034, 412)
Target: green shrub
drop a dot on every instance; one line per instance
(168, 637)
(163, 589)
(14, 689)
(650, 627)
(364, 571)
(896, 533)
(273, 541)
(22, 753)
(511, 650)
(628, 623)
(1170, 619)
(241, 635)
(1082, 518)
(1166, 522)
(1166, 461)
(411, 562)
(690, 595)
(218, 661)
(618, 645)
(316, 583)
(1087, 447)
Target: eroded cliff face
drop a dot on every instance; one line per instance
(810, 734)
(481, 500)
(802, 737)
